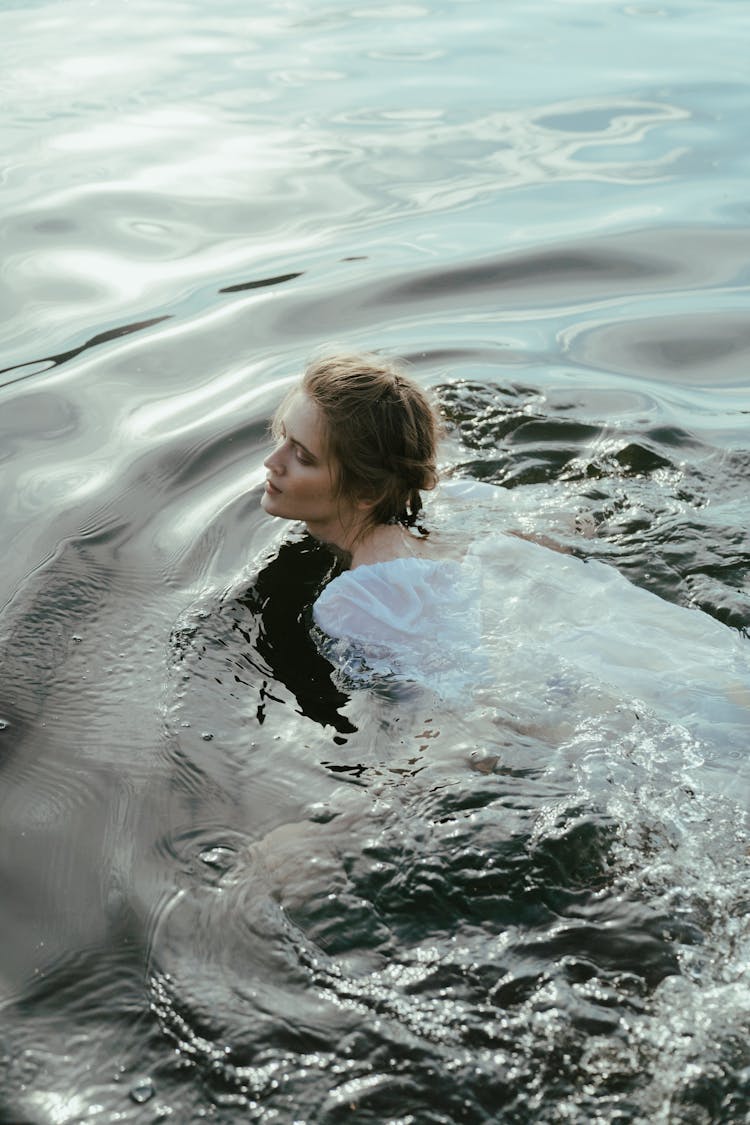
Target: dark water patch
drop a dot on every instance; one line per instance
(262, 282)
(709, 349)
(637, 459)
(559, 268)
(490, 356)
(260, 642)
(54, 226)
(552, 431)
(595, 120)
(660, 544)
(452, 875)
(44, 416)
(485, 413)
(65, 357)
(723, 591)
(93, 982)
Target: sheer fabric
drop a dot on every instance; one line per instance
(523, 620)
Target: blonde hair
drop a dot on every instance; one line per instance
(381, 434)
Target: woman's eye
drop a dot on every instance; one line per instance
(303, 458)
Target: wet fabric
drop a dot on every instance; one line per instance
(519, 618)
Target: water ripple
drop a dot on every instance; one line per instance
(234, 888)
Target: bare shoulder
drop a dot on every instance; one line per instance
(391, 541)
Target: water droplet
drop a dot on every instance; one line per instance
(76, 638)
(220, 858)
(207, 736)
(142, 1091)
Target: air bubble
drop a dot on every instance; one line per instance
(142, 1091)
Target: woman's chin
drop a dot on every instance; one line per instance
(267, 503)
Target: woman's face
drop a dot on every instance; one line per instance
(301, 481)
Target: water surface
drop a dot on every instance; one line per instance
(231, 890)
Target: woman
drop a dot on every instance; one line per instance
(356, 448)
(357, 445)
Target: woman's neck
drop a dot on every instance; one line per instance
(385, 542)
(380, 543)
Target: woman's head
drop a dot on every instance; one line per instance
(377, 431)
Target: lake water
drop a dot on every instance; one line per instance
(233, 891)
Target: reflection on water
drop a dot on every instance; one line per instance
(235, 887)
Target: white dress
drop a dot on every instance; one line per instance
(527, 622)
(409, 619)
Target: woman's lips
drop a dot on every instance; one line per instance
(271, 487)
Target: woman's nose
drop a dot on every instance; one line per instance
(274, 461)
